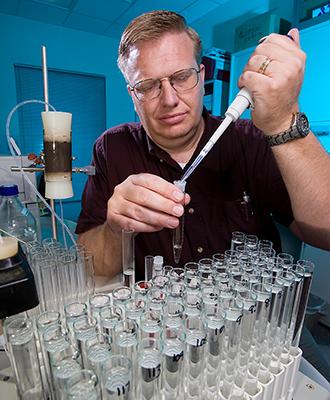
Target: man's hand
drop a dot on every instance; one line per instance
(274, 75)
(145, 203)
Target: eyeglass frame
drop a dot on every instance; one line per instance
(133, 88)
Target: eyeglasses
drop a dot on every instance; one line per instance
(181, 81)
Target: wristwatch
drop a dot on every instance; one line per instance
(299, 129)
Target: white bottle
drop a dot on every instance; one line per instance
(15, 218)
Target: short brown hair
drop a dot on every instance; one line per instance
(150, 26)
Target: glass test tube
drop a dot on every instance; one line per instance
(68, 280)
(85, 328)
(151, 322)
(237, 239)
(98, 352)
(63, 358)
(96, 303)
(259, 340)
(148, 267)
(214, 321)
(149, 368)
(117, 379)
(128, 257)
(85, 272)
(45, 321)
(245, 381)
(194, 360)
(120, 295)
(109, 318)
(178, 232)
(72, 311)
(307, 282)
(172, 365)
(231, 347)
(134, 308)
(83, 385)
(24, 358)
(141, 289)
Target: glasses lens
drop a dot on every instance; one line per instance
(147, 89)
(185, 79)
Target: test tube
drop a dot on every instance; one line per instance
(83, 385)
(151, 323)
(173, 313)
(172, 366)
(109, 318)
(149, 364)
(231, 347)
(85, 328)
(237, 239)
(24, 358)
(63, 358)
(178, 232)
(72, 312)
(67, 278)
(259, 340)
(307, 282)
(85, 272)
(156, 298)
(214, 320)
(98, 352)
(117, 379)
(128, 257)
(96, 303)
(141, 289)
(134, 308)
(245, 381)
(148, 267)
(194, 360)
(120, 295)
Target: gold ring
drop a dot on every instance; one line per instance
(264, 65)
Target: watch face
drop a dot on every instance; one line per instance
(302, 124)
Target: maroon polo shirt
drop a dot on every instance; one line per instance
(240, 162)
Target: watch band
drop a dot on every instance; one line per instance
(299, 128)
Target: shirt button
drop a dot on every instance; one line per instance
(200, 249)
(161, 160)
(191, 210)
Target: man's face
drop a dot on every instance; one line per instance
(172, 119)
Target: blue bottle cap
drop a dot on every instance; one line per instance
(8, 190)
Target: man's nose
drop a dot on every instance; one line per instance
(168, 95)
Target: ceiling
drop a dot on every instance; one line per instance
(103, 17)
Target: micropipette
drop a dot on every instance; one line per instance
(241, 102)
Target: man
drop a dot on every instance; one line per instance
(240, 183)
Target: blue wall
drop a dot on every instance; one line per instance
(67, 49)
